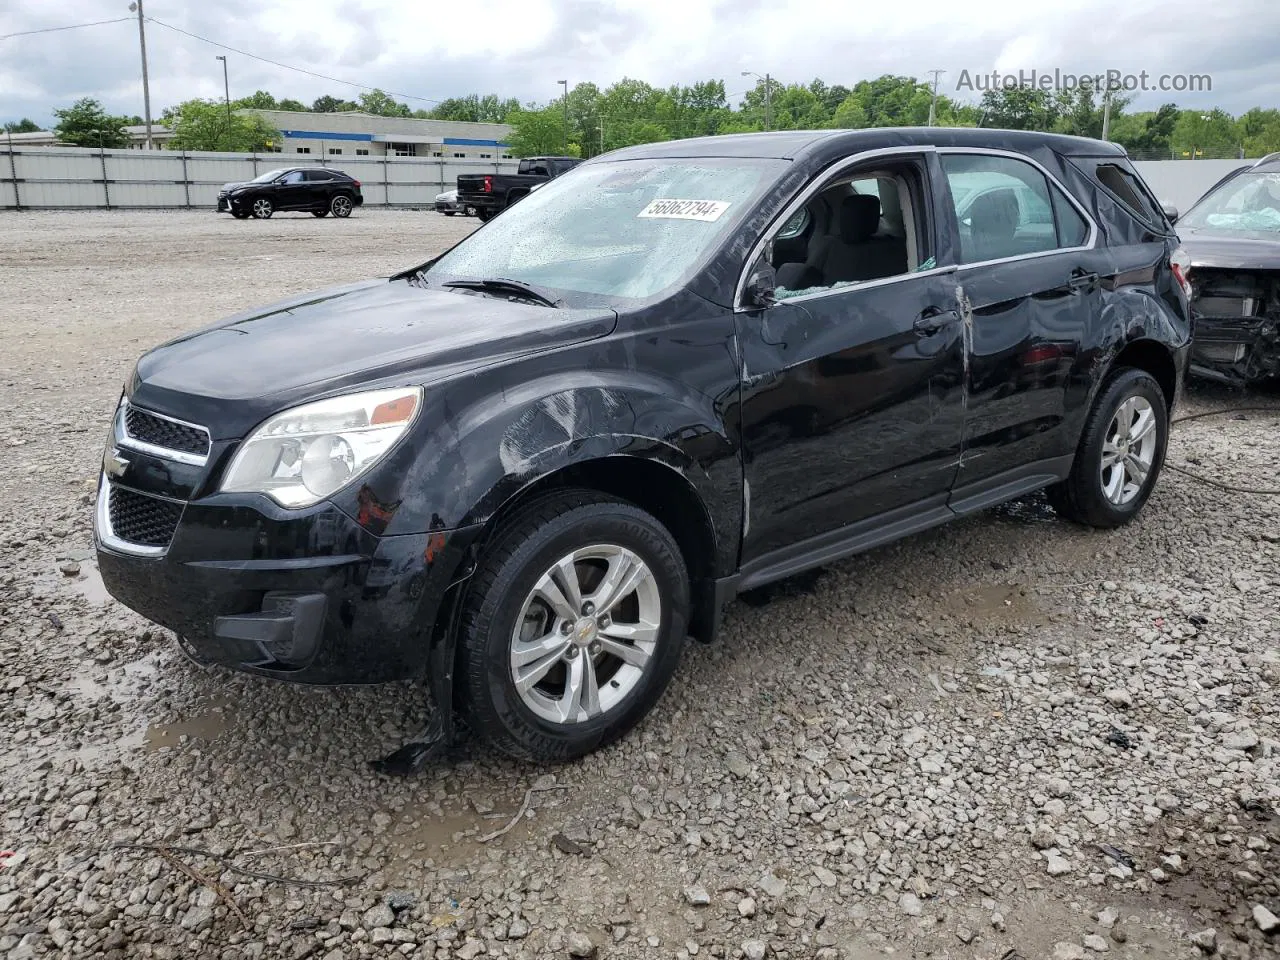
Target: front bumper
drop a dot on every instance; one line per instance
(228, 204)
(307, 596)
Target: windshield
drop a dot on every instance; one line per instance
(629, 229)
(268, 176)
(1249, 202)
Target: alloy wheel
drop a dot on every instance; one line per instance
(262, 209)
(341, 207)
(1128, 450)
(586, 634)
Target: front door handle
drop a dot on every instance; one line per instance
(1081, 279)
(932, 320)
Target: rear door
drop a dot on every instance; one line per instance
(1029, 275)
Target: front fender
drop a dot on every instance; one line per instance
(472, 460)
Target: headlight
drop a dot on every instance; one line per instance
(303, 455)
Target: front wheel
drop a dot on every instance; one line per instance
(1120, 453)
(470, 211)
(262, 209)
(340, 206)
(573, 626)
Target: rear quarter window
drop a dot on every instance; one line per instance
(1125, 186)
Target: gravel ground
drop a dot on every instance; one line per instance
(1007, 738)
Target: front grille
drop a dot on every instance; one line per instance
(159, 432)
(141, 519)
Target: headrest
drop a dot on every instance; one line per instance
(995, 214)
(859, 217)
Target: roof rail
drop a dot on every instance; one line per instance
(1269, 158)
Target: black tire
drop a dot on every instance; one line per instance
(1081, 497)
(240, 215)
(319, 213)
(262, 208)
(341, 206)
(527, 546)
(484, 215)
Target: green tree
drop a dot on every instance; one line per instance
(537, 131)
(297, 106)
(1260, 130)
(474, 108)
(382, 104)
(260, 100)
(86, 124)
(21, 126)
(1147, 134)
(1020, 108)
(328, 104)
(850, 114)
(1197, 133)
(202, 125)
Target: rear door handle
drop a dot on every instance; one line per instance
(1081, 279)
(932, 320)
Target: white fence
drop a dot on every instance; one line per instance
(52, 177)
(70, 177)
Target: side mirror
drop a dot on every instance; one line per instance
(1170, 211)
(761, 285)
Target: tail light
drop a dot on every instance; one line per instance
(357, 183)
(1180, 264)
(488, 184)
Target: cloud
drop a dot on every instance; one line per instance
(522, 47)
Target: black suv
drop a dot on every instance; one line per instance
(317, 190)
(533, 465)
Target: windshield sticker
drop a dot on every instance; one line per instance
(708, 211)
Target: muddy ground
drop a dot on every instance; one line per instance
(1010, 737)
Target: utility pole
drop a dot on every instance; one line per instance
(136, 6)
(226, 90)
(565, 84)
(933, 104)
(602, 133)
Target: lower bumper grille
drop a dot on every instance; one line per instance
(138, 518)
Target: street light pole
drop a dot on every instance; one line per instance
(565, 84)
(136, 6)
(226, 90)
(768, 96)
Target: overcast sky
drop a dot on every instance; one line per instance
(521, 48)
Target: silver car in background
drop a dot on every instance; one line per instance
(447, 203)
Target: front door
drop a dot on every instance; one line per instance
(852, 390)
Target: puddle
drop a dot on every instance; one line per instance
(451, 836)
(86, 583)
(997, 602)
(209, 724)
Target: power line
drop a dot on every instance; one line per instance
(73, 26)
(287, 66)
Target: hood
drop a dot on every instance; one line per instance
(1231, 250)
(235, 373)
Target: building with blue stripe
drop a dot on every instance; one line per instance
(362, 134)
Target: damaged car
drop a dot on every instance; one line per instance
(528, 468)
(1231, 239)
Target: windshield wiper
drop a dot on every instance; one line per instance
(502, 285)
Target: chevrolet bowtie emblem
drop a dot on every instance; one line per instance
(114, 465)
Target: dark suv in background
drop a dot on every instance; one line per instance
(531, 466)
(317, 190)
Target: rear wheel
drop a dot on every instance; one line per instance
(341, 205)
(1120, 454)
(573, 626)
(262, 209)
(319, 213)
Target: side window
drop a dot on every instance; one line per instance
(318, 175)
(1131, 193)
(855, 228)
(1007, 208)
(293, 177)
